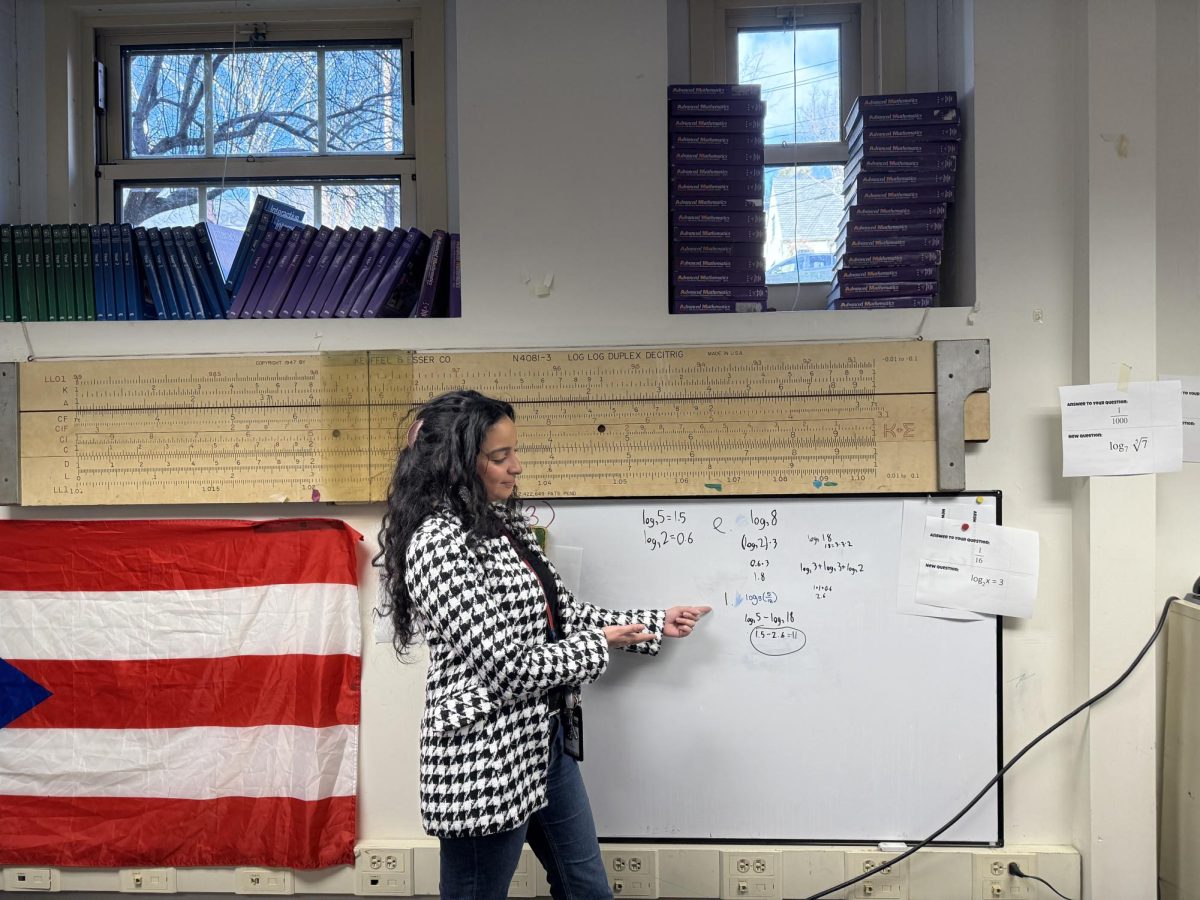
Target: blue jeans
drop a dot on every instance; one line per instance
(561, 834)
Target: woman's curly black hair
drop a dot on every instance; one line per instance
(437, 468)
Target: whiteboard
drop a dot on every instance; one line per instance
(804, 707)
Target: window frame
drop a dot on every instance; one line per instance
(420, 171)
(714, 33)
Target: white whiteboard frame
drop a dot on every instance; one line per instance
(994, 835)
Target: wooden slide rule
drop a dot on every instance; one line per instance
(593, 422)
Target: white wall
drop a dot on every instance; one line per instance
(9, 174)
(561, 172)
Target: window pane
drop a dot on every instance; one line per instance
(800, 74)
(165, 107)
(364, 100)
(345, 204)
(159, 207)
(265, 102)
(804, 206)
(358, 204)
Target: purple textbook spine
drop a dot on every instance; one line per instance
(918, 133)
(366, 264)
(846, 277)
(361, 295)
(719, 219)
(307, 266)
(911, 302)
(715, 204)
(741, 141)
(718, 279)
(717, 157)
(903, 228)
(904, 149)
(897, 259)
(896, 211)
(864, 197)
(719, 108)
(436, 272)
(742, 188)
(714, 91)
(346, 272)
(683, 306)
(878, 181)
(937, 115)
(720, 264)
(706, 172)
(309, 304)
(883, 289)
(892, 102)
(716, 251)
(401, 299)
(391, 275)
(728, 292)
(269, 265)
(275, 289)
(890, 243)
(715, 125)
(707, 234)
(253, 270)
(454, 310)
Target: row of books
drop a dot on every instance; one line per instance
(306, 272)
(52, 273)
(899, 185)
(715, 194)
(65, 273)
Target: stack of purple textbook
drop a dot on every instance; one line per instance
(899, 185)
(716, 198)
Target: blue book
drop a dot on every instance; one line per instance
(215, 249)
(173, 304)
(134, 293)
(186, 309)
(191, 281)
(113, 277)
(240, 261)
(185, 240)
(149, 275)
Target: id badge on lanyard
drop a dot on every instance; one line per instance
(572, 729)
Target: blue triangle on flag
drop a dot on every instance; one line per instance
(18, 693)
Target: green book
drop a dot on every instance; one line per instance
(26, 294)
(77, 271)
(8, 274)
(39, 277)
(87, 261)
(64, 278)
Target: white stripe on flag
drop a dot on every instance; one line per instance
(180, 763)
(270, 620)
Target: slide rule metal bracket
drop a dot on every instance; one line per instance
(10, 445)
(963, 367)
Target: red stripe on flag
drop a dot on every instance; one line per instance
(102, 832)
(183, 554)
(298, 689)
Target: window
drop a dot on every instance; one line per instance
(199, 123)
(811, 62)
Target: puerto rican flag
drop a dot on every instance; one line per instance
(178, 693)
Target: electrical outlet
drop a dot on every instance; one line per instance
(263, 881)
(632, 872)
(751, 873)
(383, 871)
(993, 882)
(148, 881)
(31, 880)
(890, 884)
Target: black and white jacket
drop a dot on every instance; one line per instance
(486, 727)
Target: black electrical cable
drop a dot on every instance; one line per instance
(1014, 869)
(1162, 620)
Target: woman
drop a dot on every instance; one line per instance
(509, 647)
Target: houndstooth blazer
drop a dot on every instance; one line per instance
(485, 732)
